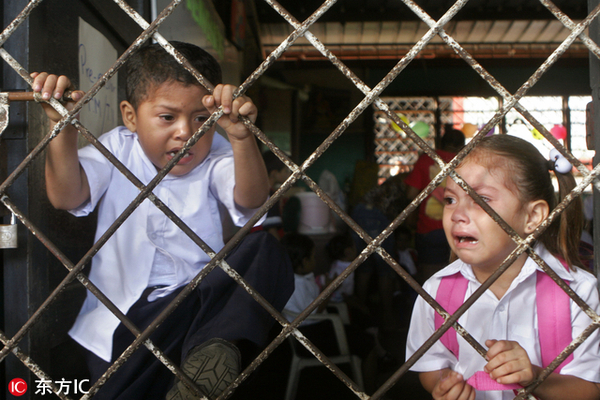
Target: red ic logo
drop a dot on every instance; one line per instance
(17, 387)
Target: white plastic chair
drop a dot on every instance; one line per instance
(341, 309)
(299, 361)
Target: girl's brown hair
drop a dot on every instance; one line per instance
(527, 171)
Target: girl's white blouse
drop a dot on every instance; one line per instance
(514, 317)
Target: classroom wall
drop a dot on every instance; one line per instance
(420, 78)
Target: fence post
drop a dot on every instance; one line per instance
(594, 32)
(16, 274)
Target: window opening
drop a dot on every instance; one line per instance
(396, 152)
(577, 107)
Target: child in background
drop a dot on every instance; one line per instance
(301, 250)
(146, 263)
(407, 255)
(341, 252)
(512, 177)
(278, 173)
(407, 258)
(375, 212)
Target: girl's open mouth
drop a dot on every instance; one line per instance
(466, 239)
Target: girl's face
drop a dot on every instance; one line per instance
(472, 234)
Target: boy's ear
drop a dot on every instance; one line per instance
(129, 115)
(537, 212)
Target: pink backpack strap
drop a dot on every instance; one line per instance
(450, 295)
(482, 382)
(553, 314)
(554, 319)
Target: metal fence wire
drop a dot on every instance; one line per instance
(371, 97)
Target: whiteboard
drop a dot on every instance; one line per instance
(96, 56)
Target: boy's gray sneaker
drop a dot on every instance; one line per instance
(213, 366)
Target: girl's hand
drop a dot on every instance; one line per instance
(452, 386)
(509, 363)
(49, 86)
(242, 106)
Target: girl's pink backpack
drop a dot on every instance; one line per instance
(554, 323)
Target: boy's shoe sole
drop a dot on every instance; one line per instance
(213, 366)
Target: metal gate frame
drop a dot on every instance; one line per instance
(16, 202)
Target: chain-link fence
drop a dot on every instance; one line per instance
(371, 97)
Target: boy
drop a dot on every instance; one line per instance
(149, 260)
(341, 251)
(301, 250)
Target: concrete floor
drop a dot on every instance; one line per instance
(318, 383)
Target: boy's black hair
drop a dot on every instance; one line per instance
(152, 66)
(298, 247)
(272, 162)
(337, 245)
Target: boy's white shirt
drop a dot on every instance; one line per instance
(347, 287)
(306, 291)
(122, 267)
(514, 317)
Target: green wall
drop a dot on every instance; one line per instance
(340, 158)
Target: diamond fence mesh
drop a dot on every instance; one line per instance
(371, 97)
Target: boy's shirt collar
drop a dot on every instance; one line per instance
(220, 146)
(309, 277)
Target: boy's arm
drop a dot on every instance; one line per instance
(251, 178)
(66, 183)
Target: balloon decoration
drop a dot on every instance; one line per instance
(421, 128)
(536, 134)
(559, 132)
(395, 126)
(469, 130)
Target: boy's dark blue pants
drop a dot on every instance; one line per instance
(218, 307)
